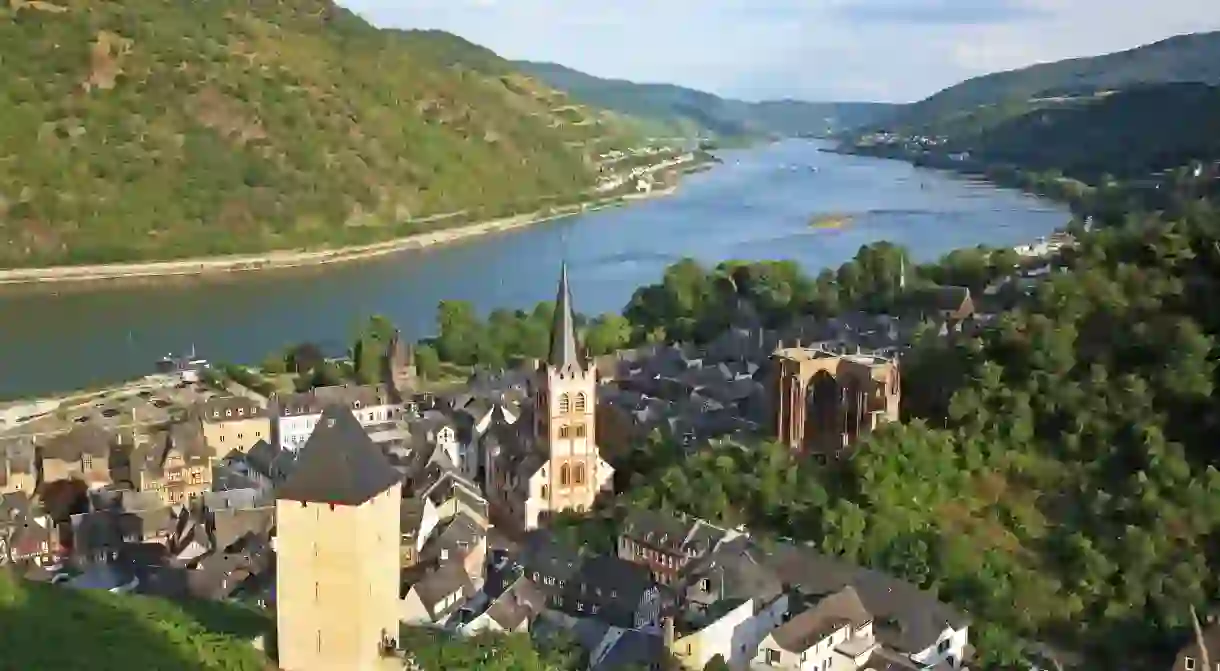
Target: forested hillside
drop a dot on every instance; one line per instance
(689, 111)
(1130, 133)
(1184, 58)
(150, 129)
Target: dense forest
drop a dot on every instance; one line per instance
(1128, 134)
(146, 129)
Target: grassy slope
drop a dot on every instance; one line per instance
(44, 627)
(686, 109)
(1185, 58)
(149, 129)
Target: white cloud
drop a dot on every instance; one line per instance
(830, 49)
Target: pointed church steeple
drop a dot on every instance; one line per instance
(564, 351)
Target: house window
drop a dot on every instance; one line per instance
(943, 645)
(581, 402)
(1189, 663)
(580, 474)
(565, 431)
(545, 491)
(564, 475)
(580, 430)
(565, 403)
(229, 412)
(86, 462)
(196, 477)
(772, 657)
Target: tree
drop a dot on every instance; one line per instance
(608, 333)
(427, 363)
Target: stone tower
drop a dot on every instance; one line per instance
(399, 367)
(337, 552)
(565, 403)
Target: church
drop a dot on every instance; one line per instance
(548, 461)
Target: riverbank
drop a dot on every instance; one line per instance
(299, 258)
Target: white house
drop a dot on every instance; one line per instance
(834, 635)
(296, 414)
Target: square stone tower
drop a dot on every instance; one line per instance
(337, 551)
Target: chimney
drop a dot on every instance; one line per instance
(667, 623)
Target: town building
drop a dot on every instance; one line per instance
(337, 551)
(176, 464)
(82, 453)
(295, 415)
(665, 544)
(827, 401)
(1192, 657)
(18, 467)
(400, 373)
(552, 463)
(232, 423)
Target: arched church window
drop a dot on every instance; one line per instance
(564, 475)
(565, 403)
(581, 402)
(580, 474)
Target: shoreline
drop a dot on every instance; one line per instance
(201, 267)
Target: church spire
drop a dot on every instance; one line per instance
(564, 351)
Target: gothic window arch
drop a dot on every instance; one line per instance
(581, 402)
(565, 403)
(580, 474)
(564, 475)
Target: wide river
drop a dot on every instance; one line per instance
(756, 205)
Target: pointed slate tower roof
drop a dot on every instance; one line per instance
(339, 464)
(564, 351)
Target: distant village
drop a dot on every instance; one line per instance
(398, 507)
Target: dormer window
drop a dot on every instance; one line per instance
(228, 412)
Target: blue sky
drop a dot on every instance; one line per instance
(884, 50)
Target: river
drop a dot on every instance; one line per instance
(755, 206)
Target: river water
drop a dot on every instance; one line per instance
(756, 205)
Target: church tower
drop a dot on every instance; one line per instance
(565, 403)
(337, 552)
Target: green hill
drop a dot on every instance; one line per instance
(1129, 133)
(1184, 58)
(683, 110)
(45, 627)
(149, 129)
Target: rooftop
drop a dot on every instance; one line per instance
(339, 464)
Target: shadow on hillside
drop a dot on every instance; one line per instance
(54, 627)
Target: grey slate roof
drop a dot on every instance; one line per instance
(564, 351)
(339, 464)
(906, 618)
